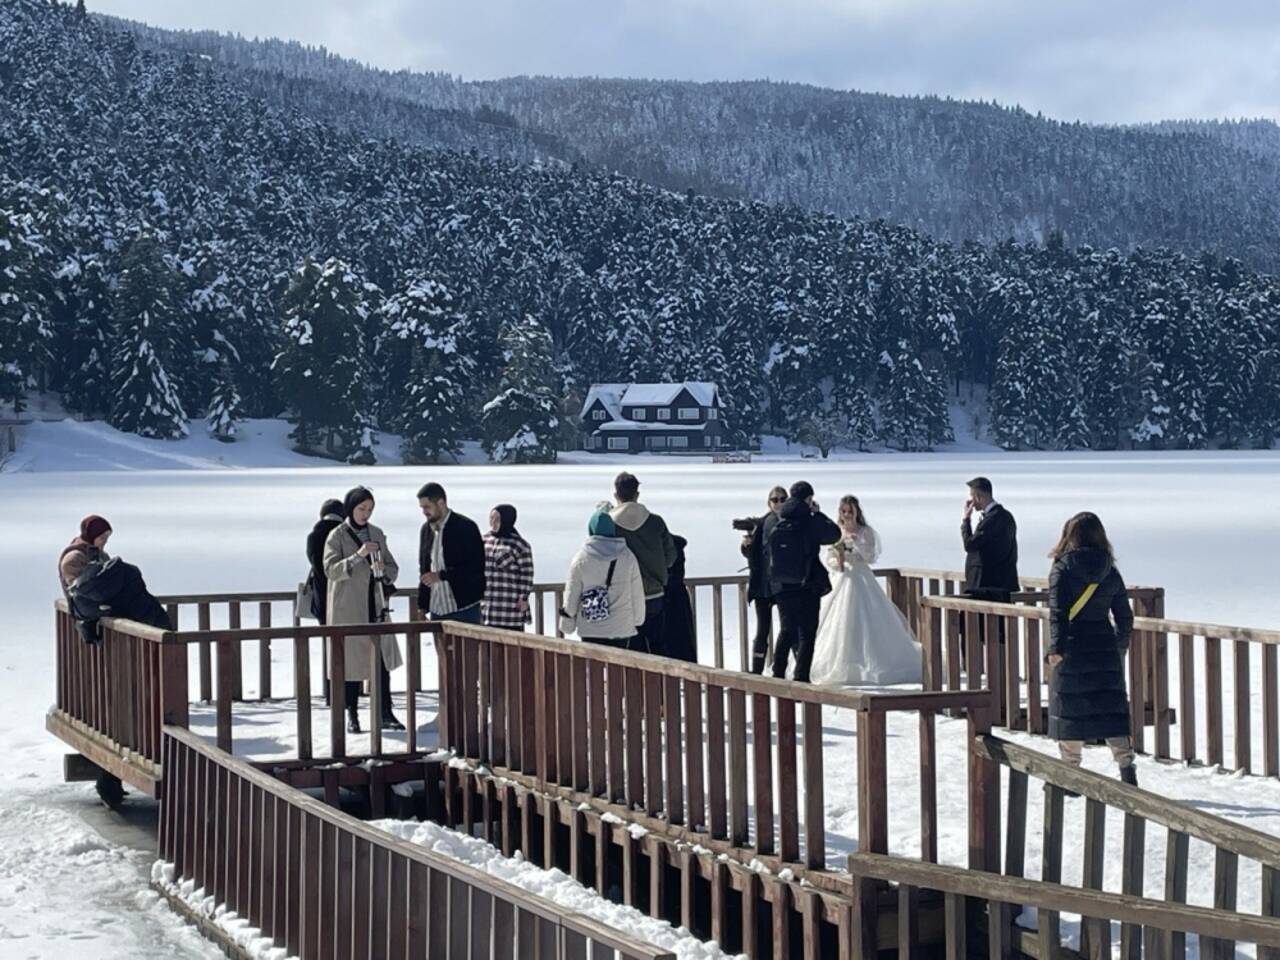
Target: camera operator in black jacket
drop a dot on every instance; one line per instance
(758, 592)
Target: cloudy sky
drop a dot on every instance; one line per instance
(1114, 61)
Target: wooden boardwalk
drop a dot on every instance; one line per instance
(693, 793)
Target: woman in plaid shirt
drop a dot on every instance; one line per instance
(508, 572)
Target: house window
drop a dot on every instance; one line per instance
(713, 413)
(715, 441)
(688, 413)
(657, 443)
(664, 413)
(618, 443)
(679, 442)
(639, 413)
(599, 415)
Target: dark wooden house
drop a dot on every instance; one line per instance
(653, 418)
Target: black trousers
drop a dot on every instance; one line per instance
(798, 612)
(650, 633)
(763, 607)
(354, 688)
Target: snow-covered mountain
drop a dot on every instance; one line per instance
(175, 246)
(957, 170)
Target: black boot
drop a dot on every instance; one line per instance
(1129, 775)
(353, 718)
(757, 664)
(389, 721)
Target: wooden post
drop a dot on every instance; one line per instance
(174, 692)
(264, 653)
(338, 697)
(873, 814)
(984, 799)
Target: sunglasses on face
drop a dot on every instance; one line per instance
(777, 499)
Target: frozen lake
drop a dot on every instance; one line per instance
(1199, 524)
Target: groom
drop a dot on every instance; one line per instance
(991, 549)
(793, 538)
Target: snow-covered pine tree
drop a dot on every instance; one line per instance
(520, 424)
(145, 339)
(25, 326)
(913, 414)
(214, 308)
(323, 369)
(224, 414)
(422, 360)
(82, 340)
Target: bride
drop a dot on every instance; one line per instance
(862, 636)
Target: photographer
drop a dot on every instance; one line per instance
(798, 580)
(758, 593)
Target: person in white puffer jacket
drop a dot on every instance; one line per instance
(589, 573)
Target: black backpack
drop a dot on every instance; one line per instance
(788, 550)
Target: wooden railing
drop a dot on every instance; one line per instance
(678, 747)
(1228, 843)
(323, 884)
(997, 898)
(730, 623)
(114, 696)
(1177, 683)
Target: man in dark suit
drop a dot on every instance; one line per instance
(450, 560)
(991, 548)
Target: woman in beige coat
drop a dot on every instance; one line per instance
(360, 567)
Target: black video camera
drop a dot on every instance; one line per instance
(747, 524)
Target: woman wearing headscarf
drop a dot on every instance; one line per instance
(97, 585)
(604, 594)
(332, 513)
(360, 568)
(508, 572)
(90, 545)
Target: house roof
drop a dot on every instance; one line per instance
(616, 426)
(609, 394)
(615, 395)
(660, 394)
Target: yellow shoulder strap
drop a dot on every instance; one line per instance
(1081, 603)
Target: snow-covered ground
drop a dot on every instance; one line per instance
(1202, 525)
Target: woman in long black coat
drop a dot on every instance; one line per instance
(678, 641)
(1089, 626)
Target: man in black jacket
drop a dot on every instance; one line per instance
(450, 560)
(991, 548)
(793, 538)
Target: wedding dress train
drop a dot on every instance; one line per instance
(862, 637)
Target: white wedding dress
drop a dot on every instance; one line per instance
(862, 637)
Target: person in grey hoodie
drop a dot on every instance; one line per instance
(604, 562)
(655, 550)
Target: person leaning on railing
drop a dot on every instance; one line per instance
(97, 585)
(1087, 698)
